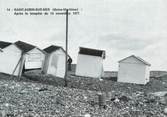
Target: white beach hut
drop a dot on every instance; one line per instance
(133, 69)
(34, 57)
(9, 58)
(90, 62)
(55, 61)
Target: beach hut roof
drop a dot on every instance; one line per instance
(25, 47)
(4, 44)
(138, 58)
(92, 52)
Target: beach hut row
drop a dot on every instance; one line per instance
(15, 58)
(19, 56)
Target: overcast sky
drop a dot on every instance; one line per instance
(121, 27)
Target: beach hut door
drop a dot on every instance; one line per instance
(54, 63)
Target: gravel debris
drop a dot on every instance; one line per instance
(80, 99)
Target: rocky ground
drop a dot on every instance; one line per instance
(37, 95)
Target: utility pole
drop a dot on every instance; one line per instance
(66, 63)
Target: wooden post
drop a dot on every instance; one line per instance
(102, 100)
(21, 65)
(44, 64)
(16, 67)
(66, 65)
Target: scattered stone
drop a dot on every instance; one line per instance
(85, 97)
(160, 93)
(43, 89)
(124, 98)
(59, 100)
(7, 104)
(10, 115)
(112, 99)
(116, 100)
(165, 111)
(92, 103)
(23, 91)
(138, 93)
(150, 101)
(87, 115)
(30, 109)
(162, 101)
(100, 79)
(163, 83)
(12, 87)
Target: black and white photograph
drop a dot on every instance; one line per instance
(83, 58)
